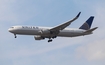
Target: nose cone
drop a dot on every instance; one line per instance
(10, 30)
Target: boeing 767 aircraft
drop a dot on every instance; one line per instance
(41, 33)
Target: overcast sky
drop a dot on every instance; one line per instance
(24, 50)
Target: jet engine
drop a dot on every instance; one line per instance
(38, 37)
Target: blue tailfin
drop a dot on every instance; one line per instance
(87, 24)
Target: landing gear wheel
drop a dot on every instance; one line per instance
(15, 36)
(50, 40)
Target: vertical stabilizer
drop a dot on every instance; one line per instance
(87, 24)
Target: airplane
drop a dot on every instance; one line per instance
(40, 33)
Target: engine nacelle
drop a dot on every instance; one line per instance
(39, 37)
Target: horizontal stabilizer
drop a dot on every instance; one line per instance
(90, 30)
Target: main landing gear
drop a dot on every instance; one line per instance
(50, 40)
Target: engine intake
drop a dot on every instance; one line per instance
(38, 37)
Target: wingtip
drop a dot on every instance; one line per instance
(96, 27)
(92, 16)
(78, 14)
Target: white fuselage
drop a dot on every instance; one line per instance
(32, 30)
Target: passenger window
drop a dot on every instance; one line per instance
(22, 27)
(36, 27)
(33, 27)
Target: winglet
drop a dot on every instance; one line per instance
(76, 17)
(78, 14)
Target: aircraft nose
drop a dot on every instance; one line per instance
(10, 30)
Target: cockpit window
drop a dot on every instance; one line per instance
(12, 27)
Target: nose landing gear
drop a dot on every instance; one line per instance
(15, 35)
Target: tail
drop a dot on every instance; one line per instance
(87, 24)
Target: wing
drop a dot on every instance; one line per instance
(64, 25)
